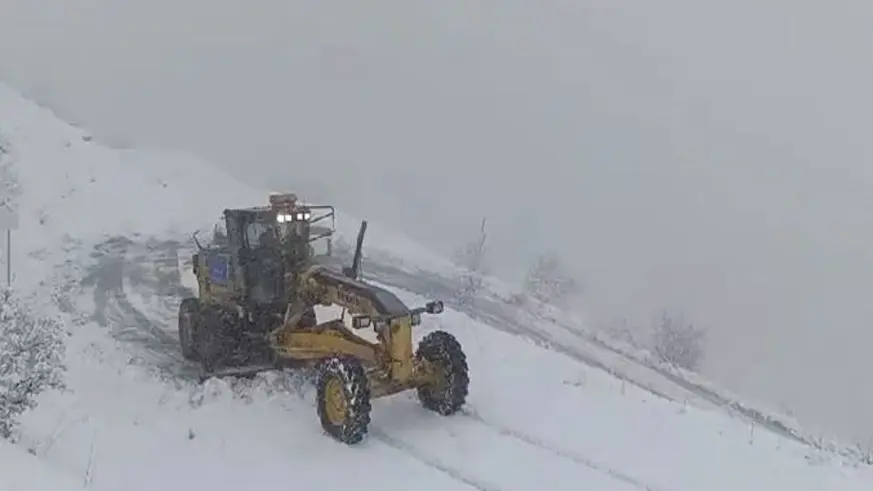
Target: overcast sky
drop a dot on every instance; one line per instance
(710, 156)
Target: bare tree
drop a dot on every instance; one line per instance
(471, 258)
(678, 341)
(548, 282)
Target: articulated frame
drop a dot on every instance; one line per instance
(390, 362)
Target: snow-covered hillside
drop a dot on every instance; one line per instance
(106, 233)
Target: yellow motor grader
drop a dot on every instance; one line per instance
(255, 311)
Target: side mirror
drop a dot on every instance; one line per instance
(435, 307)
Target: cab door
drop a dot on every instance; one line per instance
(234, 224)
(261, 261)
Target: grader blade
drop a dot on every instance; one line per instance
(236, 372)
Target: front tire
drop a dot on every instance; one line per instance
(448, 391)
(343, 393)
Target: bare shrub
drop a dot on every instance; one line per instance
(548, 282)
(31, 359)
(678, 341)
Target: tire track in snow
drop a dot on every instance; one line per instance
(504, 431)
(121, 263)
(115, 269)
(537, 442)
(432, 462)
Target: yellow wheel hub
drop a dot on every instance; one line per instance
(335, 403)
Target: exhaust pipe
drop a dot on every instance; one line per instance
(354, 272)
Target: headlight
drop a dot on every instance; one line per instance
(299, 216)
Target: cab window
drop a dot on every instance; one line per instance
(254, 233)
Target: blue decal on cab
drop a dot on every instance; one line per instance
(219, 268)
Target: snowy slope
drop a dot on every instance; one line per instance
(560, 425)
(22, 472)
(106, 230)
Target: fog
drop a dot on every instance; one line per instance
(707, 156)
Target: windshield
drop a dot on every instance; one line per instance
(258, 233)
(291, 230)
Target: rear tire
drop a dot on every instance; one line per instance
(214, 345)
(189, 323)
(343, 394)
(448, 394)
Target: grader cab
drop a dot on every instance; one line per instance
(255, 311)
(260, 245)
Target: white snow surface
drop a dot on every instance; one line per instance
(536, 419)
